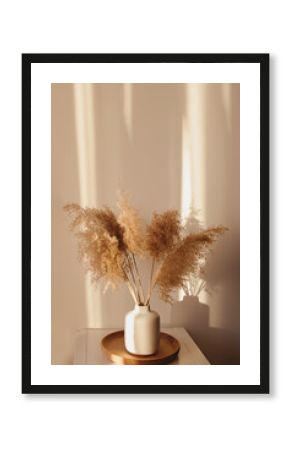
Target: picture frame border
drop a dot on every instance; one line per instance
(261, 58)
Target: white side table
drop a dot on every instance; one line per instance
(88, 347)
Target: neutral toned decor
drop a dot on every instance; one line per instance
(142, 330)
(111, 244)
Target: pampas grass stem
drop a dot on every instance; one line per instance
(132, 292)
(151, 280)
(142, 297)
(131, 270)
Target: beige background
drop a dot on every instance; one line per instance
(170, 146)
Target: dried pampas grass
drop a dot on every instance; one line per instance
(101, 245)
(132, 225)
(109, 245)
(163, 233)
(185, 260)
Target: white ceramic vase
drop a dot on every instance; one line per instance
(142, 331)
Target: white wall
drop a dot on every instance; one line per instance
(169, 146)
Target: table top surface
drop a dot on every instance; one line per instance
(88, 349)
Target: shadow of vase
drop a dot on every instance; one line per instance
(220, 346)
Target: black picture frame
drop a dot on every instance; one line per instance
(263, 61)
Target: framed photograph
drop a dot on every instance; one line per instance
(145, 223)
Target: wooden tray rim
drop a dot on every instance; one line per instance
(140, 359)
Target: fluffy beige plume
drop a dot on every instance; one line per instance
(163, 233)
(132, 225)
(184, 260)
(100, 240)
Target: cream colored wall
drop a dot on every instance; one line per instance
(170, 146)
(67, 295)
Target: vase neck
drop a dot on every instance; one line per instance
(142, 308)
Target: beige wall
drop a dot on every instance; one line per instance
(170, 146)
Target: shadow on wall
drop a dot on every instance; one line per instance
(222, 202)
(220, 346)
(215, 324)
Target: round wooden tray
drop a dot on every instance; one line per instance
(113, 345)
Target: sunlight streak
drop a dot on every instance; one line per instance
(128, 107)
(86, 145)
(194, 144)
(186, 180)
(193, 157)
(226, 92)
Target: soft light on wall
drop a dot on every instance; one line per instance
(170, 146)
